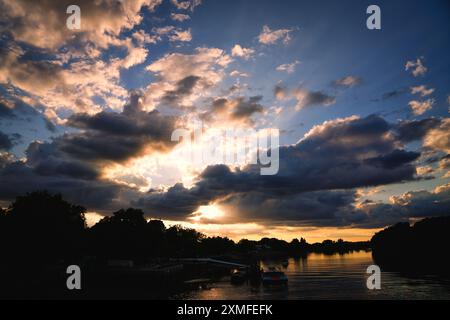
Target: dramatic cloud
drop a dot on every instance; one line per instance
(269, 36)
(205, 62)
(18, 178)
(412, 204)
(417, 68)
(206, 65)
(104, 137)
(68, 124)
(47, 168)
(65, 70)
(44, 24)
(288, 67)
(408, 131)
(118, 136)
(72, 164)
(73, 87)
(304, 97)
(28, 75)
(424, 203)
(47, 159)
(341, 154)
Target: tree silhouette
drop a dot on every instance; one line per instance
(419, 248)
(40, 234)
(3, 228)
(183, 241)
(156, 231)
(123, 235)
(216, 245)
(45, 227)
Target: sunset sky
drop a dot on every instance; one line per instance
(362, 115)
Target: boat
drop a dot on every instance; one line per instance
(273, 277)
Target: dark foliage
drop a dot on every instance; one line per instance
(421, 248)
(43, 227)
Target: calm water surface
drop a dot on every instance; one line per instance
(328, 277)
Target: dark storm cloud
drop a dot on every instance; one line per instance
(48, 168)
(47, 159)
(92, 146)
(394, 160)
(409, 131)
(118, 136)
(176, 202)
(341, 154)
(308, 208)
(17, 178)
(71, 164)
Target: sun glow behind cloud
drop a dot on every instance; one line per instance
(207, 146)
(209, 212)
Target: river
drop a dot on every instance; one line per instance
(327, 277)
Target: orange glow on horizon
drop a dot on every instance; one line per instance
(255, 231)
